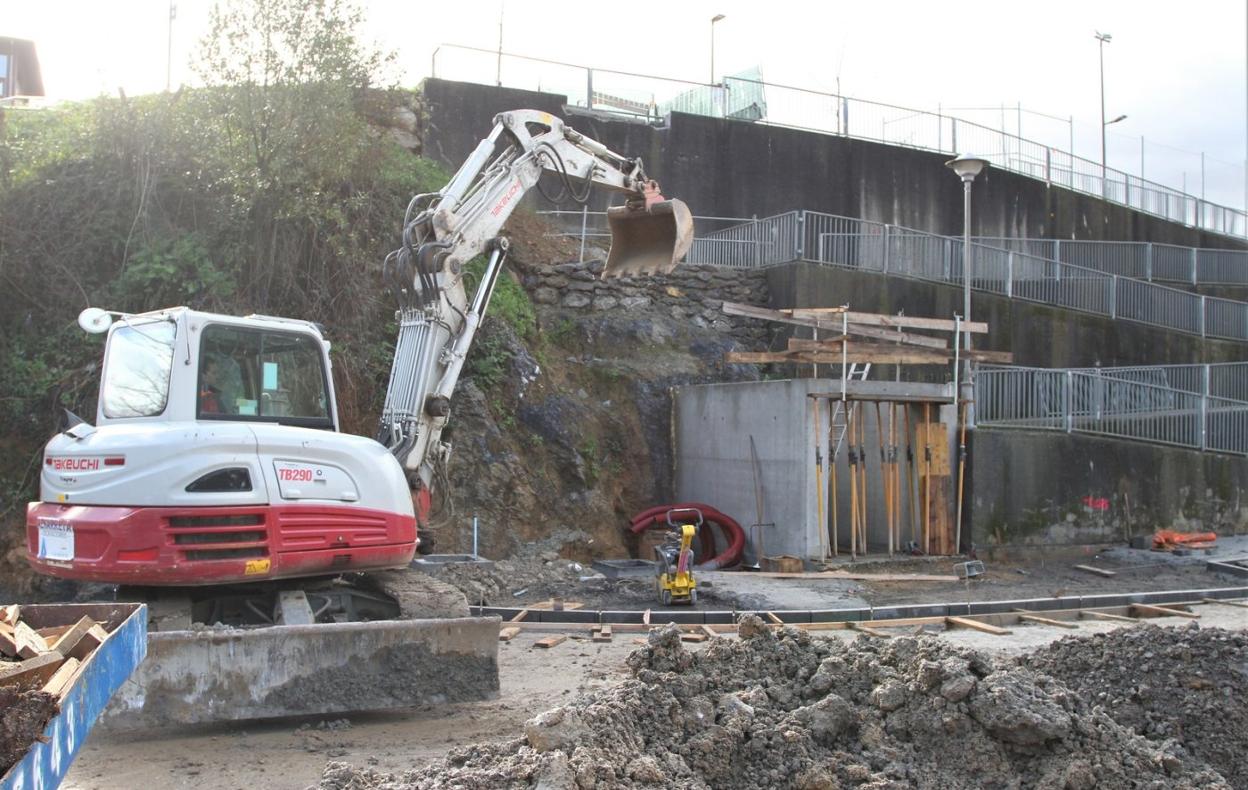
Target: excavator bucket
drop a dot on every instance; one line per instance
(649, 240)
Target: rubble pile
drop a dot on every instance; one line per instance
(1188, 685)
(780, 709)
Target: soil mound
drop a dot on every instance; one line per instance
(780, 709)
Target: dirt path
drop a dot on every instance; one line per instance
(292, 753)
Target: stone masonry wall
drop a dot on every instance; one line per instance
(690, 293)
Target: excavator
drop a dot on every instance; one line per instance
(216, 467)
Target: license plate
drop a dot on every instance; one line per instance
(56, 540)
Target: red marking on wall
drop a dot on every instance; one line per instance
(1096, 503)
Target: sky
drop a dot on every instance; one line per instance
(1179, 72)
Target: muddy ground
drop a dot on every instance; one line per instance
(293, 753)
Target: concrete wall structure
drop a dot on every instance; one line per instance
(711, 428)
(740, 169)
(1032, 488)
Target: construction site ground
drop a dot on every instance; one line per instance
(292, 753)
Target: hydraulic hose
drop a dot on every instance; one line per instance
(730, 556)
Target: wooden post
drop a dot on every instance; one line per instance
(850, 415)
(823, 527)
(927, 479)
(888, 491)
(911, 491)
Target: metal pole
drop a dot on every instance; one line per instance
(712, 52)
(474, 536)
(173, 12)
(498, 75)
(584, 225)
(1101, 45)
(1202, 175)
(966, 260)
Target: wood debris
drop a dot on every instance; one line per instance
(47, 659)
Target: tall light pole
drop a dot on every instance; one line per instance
(1103, 38)
(173, 13)
(714, 19)
(967, 167)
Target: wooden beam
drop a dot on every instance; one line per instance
(880, 356)
(549, 605)
(868, 630)
(772, 617)
(1162, 611)
(523, 613)
(1095, 615)
(1098, 571)
(884, 335)
(60, 681)
(31, 673)
(857, 576)
(912, 322)
(603, 634)
(1035, 618)
(706, 629)
(695, 636)
(508, 633)
(976, 625)
(815, 310)
(29, 643)
(551, 641)
(1224, 603)
(77, 642)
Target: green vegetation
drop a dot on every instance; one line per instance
(265, 191)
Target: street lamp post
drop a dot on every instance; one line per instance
(1105, 38)
(714, 19)
(967, 167)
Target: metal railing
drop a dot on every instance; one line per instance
(863, 245)
(756, 101)
(1181, 405)
(1140, 260)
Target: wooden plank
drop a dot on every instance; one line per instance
(29, 643)
(11, 614)
(31, 673)
(1162, 611)
(1098, 571)
(894, 336)
(772, 617)
(77, 642)
(830, 318)
(914, 322)
(853, 355)
(868, 630)
(1224, 603)
(8, 645)
(603, 634)
(693, 636)
(645, 617)
(60, 680)
(977, 625)
(706, 629)
(523, 613)
(1095, 615)
(1035, 618)
(49, 634)
(551, 641)
(507, 633)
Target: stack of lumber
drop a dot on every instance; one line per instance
(45, 659)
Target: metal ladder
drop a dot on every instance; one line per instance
(857, 372)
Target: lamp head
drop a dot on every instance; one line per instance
(967, 166)
(716, 18)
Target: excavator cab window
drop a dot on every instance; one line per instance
(261, 375)
(137, 369)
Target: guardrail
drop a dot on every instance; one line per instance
(1178, 405)
(1140, 260)
(757, 101)
(863, 245)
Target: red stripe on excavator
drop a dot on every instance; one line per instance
(221, 545)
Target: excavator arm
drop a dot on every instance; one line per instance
(444, 230)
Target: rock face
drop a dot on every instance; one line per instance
(780, 709)
(570, 433)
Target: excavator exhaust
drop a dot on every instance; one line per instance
(650, 238)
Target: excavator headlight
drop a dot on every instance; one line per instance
(222, 481)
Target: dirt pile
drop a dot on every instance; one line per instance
(23, 715)
(1188, 685)
(780, 709)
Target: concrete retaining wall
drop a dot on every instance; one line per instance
(741, 169)
(1051, 488)
(1039, 335)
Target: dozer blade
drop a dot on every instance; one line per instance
(648, 241)
(194, 677)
